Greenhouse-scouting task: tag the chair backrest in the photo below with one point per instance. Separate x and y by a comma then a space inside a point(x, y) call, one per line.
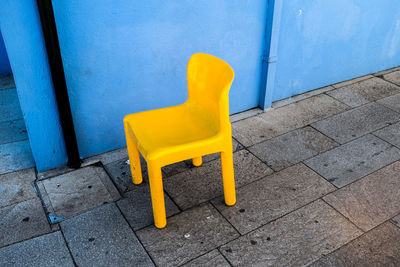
point(209, 80)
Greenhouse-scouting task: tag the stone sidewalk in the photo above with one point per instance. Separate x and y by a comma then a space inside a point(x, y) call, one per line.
point(318, 183)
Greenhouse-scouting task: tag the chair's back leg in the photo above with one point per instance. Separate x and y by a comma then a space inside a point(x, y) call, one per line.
point(157, 195)
point(197, 161)
point(134, 158)
point(228, 178)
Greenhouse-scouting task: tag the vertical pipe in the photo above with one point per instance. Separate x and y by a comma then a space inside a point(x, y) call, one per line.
point(57, 73)
point(270, 53)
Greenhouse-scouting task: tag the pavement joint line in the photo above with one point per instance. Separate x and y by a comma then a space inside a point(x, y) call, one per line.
point(367, 78)
point(363, 234)
point(382, 78)
point(69, 249)
point(301, 127)
point(287, 213)
point(208, 251)
point(113, 182)
point(273, 171)
point(26, 239)
point(338, 145)
point(340, 101)
point(348, 219)
point(298, 95)
point(386, 71)
point(359, 179)
point(261, 112)
point(134, 232)
point(249, 232)
point(224, 216)
point(391, 221)
point(173, 200)
point(40, 196)
point(374, 134)
point(100, 164)
point(311, 169)
point(381, 104)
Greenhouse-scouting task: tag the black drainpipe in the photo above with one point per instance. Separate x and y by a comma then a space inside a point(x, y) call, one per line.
point(60, 87)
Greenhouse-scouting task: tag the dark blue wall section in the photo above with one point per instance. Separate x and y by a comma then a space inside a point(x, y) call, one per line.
point(21, 29)
point(327, 41)
point(5, 67)
point(128, 56)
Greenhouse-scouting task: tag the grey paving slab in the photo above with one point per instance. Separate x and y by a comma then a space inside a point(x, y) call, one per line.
point(296, 239)
point(365, 91)
point(352, 81)
point(393, 77)
point(78, 191)
point(396, 220)
point(213, 258)
point(245, 114)
point(203, 183)
point(120, 172)
point(15, 156)
point(379, 247)
point(371, 200)
point(291, 148)
point(12, 131)
point(137, 208)
point(17, 187)
point(357, 122)
point(390, 134)
point(9, 97)
point(236, 146)
point(108, 157)
point(295, 98)
point(22, 221)
point(182, 166)
point(187, 236)
point(273, 196)
point(101, 237)
point(352, 161)
point(178, 167)
point(7, 81)
point(281, 120)
point(349, 96)
point(45, 250)
point(54, 172)
point(9, 105)
point(392, 102)
point(383, 72)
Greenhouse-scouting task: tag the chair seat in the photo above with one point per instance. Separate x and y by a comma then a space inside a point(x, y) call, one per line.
point(162, 132)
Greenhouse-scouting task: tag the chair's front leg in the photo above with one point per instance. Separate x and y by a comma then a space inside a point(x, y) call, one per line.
point(228, 177)
point(134, 158)
point(157, 195)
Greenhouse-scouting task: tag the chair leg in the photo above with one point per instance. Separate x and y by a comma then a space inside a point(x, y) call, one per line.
point(134, 158)
point(228, 178)
point(197, 161)
point(157, 195)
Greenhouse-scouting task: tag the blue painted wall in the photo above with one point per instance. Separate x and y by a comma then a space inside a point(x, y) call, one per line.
point(5, 67)
point(129, 56)
point(322, 42)
point(21, 29)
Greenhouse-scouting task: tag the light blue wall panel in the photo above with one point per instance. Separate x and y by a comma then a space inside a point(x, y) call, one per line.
point(21, 29)
point(327, 41)
point(5, 67)
point(128, 56)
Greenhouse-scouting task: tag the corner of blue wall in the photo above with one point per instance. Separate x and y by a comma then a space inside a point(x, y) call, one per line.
point(23, 37)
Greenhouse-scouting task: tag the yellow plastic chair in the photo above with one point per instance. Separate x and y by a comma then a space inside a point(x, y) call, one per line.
point(195, 128)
